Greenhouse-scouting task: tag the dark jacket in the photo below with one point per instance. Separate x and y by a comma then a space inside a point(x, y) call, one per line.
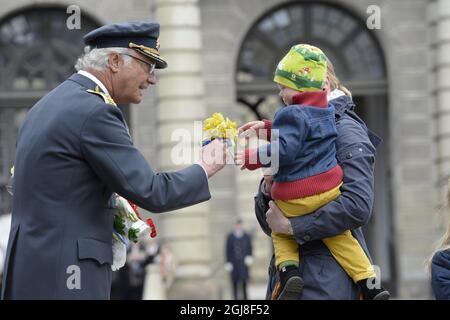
point(323, 276)
point(440, 274)
point(73, 152)
point(237, 249)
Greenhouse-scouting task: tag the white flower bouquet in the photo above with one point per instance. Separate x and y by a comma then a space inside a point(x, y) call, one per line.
point(128, 226)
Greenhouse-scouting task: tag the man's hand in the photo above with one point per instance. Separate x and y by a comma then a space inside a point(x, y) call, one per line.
point(213, 157)
point(276, 220)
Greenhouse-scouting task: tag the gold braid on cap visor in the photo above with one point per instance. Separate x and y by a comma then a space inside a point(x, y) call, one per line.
point(143, 48)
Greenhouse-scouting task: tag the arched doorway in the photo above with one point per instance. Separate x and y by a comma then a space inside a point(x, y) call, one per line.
point(360, 64)
point(37, 52)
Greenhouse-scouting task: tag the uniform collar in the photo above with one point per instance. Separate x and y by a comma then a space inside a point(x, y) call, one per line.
point(94, 79)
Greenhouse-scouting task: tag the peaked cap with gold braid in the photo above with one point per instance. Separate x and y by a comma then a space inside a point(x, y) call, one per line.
point(140, 36)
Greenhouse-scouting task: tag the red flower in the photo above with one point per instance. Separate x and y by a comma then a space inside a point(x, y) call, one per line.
point(135, 208)
point(149, 221)
point(152, 226)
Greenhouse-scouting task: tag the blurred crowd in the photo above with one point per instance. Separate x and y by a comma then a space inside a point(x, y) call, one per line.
point(129, 282)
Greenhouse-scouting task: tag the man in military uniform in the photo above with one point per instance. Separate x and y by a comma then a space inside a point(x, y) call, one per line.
point(73, 152)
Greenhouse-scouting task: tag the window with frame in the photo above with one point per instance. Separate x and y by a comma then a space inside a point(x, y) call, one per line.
point(344, 38)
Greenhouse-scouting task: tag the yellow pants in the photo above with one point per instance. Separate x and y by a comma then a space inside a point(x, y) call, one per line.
point(344, 247)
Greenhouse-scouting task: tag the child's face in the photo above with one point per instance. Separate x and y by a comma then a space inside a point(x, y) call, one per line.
point(286, 94)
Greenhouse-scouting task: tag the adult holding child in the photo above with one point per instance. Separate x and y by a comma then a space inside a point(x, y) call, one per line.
point(324, 184)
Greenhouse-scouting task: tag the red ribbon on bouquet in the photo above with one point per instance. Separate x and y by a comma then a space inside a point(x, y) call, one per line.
point(149, 221)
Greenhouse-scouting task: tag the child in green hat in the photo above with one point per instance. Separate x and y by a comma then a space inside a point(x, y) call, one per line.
point(308, 176)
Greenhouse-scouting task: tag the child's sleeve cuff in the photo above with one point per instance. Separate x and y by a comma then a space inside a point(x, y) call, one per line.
point(251, 160)
point(268, 128)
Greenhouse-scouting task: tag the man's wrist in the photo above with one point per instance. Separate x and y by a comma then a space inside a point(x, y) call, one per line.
point(204, 169)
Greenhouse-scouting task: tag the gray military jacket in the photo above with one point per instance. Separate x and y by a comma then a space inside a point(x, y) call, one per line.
point(73, 152)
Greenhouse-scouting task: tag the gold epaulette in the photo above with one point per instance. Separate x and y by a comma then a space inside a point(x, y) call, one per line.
point(106, 97)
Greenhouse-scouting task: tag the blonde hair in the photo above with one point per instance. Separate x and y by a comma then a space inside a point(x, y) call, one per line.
point(334, 81)
point(444, 242)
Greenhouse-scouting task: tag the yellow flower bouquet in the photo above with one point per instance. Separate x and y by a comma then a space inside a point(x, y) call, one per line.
point(219, 127)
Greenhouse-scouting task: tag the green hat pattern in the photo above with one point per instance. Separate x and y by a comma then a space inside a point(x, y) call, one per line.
point(304, 68)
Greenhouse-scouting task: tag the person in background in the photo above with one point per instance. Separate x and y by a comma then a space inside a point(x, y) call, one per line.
point(137, 260)
point(439, 263)
point(238, 259)
point(168, 264)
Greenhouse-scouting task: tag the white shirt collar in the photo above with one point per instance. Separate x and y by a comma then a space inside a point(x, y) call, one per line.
point(336, 93)
point(95, 79)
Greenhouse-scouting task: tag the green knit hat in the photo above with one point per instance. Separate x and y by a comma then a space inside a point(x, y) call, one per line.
point(304, 68)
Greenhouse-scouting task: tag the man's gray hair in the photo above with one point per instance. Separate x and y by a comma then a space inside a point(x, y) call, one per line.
point(97, 59)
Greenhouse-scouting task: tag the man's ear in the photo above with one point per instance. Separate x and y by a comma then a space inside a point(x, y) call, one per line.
point(114, 62)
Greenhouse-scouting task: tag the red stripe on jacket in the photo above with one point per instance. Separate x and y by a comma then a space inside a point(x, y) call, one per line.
point(308, 186)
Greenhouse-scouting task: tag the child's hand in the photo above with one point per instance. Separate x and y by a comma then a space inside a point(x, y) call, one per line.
point(250, 128)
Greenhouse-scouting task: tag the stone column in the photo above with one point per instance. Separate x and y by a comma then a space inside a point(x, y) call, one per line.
point(180, 102)
point(439, 17)
point(441, 91)
point(404, 39)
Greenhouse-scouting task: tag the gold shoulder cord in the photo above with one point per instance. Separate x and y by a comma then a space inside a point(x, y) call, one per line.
point(108, 100)
point(106, 97)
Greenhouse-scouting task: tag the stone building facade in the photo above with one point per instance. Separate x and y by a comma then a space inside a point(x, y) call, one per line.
point(221, 54)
